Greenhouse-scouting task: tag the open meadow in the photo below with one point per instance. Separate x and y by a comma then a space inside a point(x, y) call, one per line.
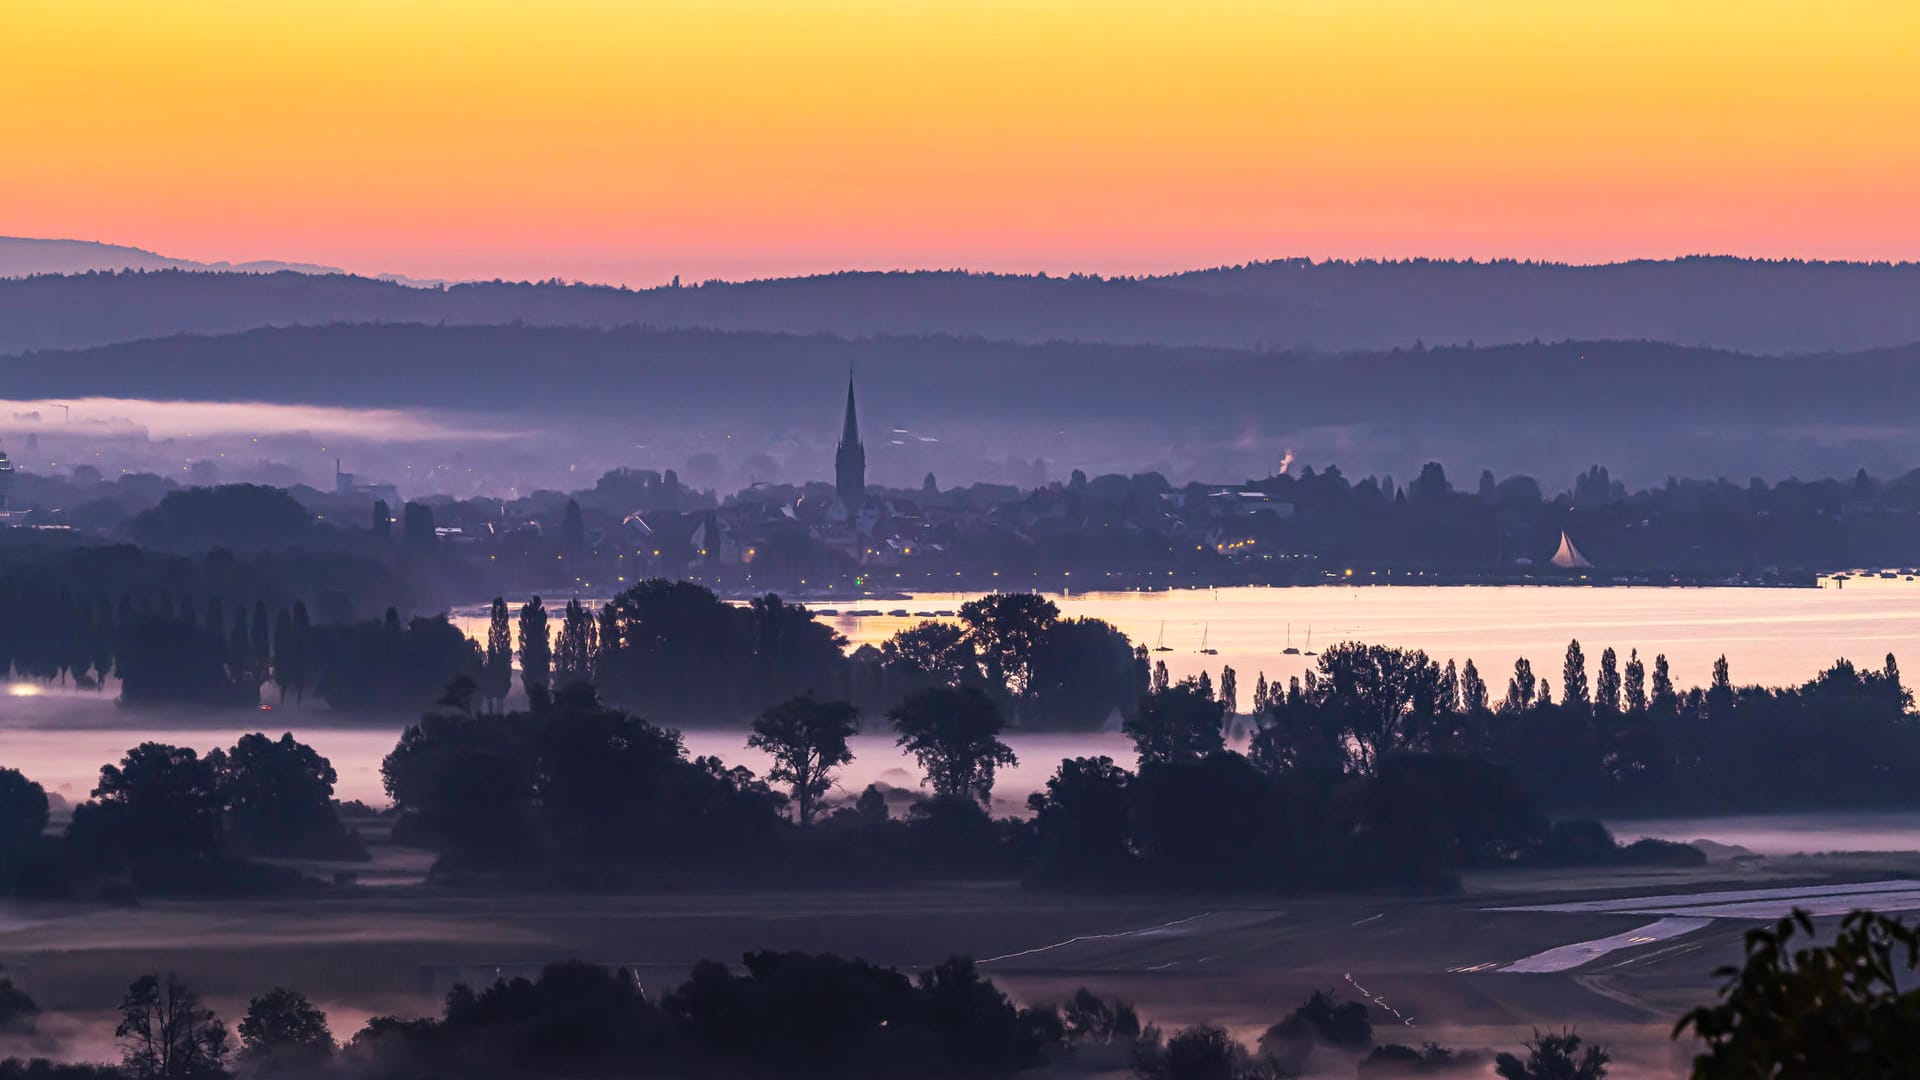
point(1428, 964)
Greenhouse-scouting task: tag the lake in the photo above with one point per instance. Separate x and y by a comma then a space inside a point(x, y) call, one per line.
point(1771, 636)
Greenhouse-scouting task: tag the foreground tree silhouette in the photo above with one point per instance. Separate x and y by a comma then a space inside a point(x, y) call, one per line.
point(279, 800)
point(1553, 1057)
point(496, 674)
point(536, 653)
point(17, 1008)
point(807, 740)
point(1573, 677)
point(23, 816)
point(161, 806)
point(955, 735)
point(1007, 630)
point(1202, 1052)
point(284, 1034)
point(932, 653)
point(1090, 1018)
point(1817, 1011)
point(579, 644)
point(166, 1034)
point(1180, 723)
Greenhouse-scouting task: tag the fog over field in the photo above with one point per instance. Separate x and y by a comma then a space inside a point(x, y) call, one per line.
point(799, 540)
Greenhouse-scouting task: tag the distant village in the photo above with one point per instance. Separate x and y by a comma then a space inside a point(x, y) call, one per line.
point(846, 537)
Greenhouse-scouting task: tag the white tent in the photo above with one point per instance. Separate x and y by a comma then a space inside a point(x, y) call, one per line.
point(1569, 557)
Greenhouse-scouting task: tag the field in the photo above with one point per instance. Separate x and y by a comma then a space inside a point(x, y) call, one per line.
point(1241, 961)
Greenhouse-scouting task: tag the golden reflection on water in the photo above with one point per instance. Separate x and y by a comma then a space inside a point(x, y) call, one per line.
point(61, 738)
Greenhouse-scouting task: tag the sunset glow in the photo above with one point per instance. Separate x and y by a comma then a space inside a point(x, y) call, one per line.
point(630, 142)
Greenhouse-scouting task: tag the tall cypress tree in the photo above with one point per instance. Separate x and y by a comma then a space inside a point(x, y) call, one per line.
point(536, 653)
point(283, 645)
point(497, 672)
point(1606, 688)
point(262, 645)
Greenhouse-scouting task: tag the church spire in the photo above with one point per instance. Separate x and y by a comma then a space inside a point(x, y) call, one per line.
point(850, 458)
point(850, 431)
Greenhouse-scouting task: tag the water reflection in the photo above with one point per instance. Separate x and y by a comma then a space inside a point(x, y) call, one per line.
point(1769, 636)
point(61, 737)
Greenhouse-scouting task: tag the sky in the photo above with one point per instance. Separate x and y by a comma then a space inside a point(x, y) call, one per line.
point(630, 141)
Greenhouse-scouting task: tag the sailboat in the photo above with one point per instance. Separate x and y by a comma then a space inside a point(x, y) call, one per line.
point(1310, 651)
point(1161, 645)
point(1569, 557)
point(1290, 650)
point(1203, 642)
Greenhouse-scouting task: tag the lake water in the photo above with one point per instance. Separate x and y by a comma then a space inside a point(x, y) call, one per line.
point(1771, 636)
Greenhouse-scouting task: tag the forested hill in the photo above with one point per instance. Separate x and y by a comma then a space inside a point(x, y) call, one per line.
point(1752, 306)
point(678, 374)
point(24, 256)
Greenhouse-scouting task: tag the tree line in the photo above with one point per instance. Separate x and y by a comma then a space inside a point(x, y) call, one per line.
point(169, 649)
point(775, 1014)
point(674, 649)
point(579, 791)
point(166, 819)
point(1626, 740)
point(1800, 1004)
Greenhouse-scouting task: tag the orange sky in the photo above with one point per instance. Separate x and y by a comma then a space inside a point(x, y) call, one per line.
point(626, 140)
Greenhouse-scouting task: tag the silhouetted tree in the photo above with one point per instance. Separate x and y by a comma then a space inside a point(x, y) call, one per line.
point(1081, 822)
point(1606, 687)
point(417, 527)
point(23, 818)
point(106, 630)
point(1178, 723)
point(578, 646)
point(160, 807)
point(166, 1034)
point(279, 800)
point(1322, 1020)
point(536, 652)
point(807, 740)
point(390, 665)
point(283, 1033)
point(1521, 688)
point(1473, 689)
point(1007, 630)
point(1573, 678)
point(954, 733)
point(931, 654)
point(1664, 700)
point(1847, 1008)
point(1634, 688)
point(17, 1013)
point(231, 516)
point(496, 673)
point(168, 661)
point(1202, 1052)
point(1082, 672)
point(259, 647)
point(1553, 1057)
point(1720, 693)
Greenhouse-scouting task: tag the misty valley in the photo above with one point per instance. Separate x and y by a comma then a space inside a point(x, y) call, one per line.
point(954, 541)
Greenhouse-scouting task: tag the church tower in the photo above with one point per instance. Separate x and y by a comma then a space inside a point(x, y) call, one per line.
point(850, 459)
